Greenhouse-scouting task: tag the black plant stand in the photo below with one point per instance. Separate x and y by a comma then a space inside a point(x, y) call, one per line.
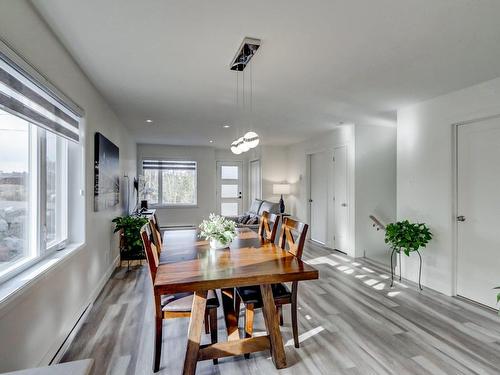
point(392, 267)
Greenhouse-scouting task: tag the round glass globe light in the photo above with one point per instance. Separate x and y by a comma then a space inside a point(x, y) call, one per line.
point(251, 139)
point(234, 148)
point(242, 145)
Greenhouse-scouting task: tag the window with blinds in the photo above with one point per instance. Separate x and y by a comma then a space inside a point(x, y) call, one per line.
point(169, 182)
point(36, 127)
point(23, 96)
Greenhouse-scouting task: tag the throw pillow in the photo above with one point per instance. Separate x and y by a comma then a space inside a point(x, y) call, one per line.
point(242, 219)
point(253, 220)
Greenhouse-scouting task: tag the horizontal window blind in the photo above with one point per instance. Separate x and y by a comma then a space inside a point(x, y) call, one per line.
point(24, 96)
point(170, 165)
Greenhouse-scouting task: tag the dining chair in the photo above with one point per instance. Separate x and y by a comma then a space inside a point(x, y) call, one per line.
point(292, 238)
point(174, 305)
point(156, 234)
point(268, 226)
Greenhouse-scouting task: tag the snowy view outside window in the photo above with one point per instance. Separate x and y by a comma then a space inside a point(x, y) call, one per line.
point(179, 187)
point(170, 183)
point(14, 188)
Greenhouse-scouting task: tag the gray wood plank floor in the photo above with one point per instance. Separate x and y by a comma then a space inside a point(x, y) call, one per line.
point(350, 322)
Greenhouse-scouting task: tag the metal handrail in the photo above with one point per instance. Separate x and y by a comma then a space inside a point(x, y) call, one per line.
point(377, 223)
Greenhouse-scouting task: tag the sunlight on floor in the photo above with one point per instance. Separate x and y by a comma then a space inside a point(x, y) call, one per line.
point(375, 283)
point(400, 284)
point(392, 294)
point(303, 337)
point(341, 258)
point(322, 260)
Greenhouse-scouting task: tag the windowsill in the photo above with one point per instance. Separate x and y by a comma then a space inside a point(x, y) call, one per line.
point(19, 284)
point(156, 206)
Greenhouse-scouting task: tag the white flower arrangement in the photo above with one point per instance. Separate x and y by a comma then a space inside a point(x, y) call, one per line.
point(218, 228)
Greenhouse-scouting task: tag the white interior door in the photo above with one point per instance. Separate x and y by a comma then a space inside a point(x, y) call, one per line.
point(229, 188)
point(478, 207)
point(341, 206)
point(319, 196)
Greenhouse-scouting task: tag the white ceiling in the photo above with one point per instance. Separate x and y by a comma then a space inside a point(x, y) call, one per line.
point(321, 62)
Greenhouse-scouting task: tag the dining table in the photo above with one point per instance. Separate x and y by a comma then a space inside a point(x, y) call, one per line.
point(188, 264)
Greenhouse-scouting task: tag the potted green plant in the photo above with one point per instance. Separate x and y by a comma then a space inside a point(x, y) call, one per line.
point(219, 230)
point(131, 242)
point(407, 237)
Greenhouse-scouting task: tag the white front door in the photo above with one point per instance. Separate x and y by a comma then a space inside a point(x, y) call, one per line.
point(229, 188)
point(478, 210)
point(341, 207)
point(319, 196)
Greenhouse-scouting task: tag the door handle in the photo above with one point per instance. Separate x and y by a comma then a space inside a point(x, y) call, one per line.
point(461, 218)
point(310, 200)
point(344, 204)
point(239, 197)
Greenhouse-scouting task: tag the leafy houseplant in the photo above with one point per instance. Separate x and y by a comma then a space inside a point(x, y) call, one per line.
point(131, 244)
point(219, 230)
point(407, 236)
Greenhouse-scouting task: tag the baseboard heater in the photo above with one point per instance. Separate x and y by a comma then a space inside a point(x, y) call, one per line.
point(178, 227)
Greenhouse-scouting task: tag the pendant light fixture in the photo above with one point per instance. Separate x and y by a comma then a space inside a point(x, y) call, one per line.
point(245, 53)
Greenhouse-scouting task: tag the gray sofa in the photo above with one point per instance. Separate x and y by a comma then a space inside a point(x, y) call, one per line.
point(250, 219)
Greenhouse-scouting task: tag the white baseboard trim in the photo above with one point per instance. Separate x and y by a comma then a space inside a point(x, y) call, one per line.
point(59, 348)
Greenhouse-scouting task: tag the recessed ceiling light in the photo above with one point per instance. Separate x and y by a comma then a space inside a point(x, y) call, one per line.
point(210, 141)
point(149, 121)
point(226, 126)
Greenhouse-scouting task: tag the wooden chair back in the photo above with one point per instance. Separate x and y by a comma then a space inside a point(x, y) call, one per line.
point(268, 226)
point(150, 250)
point(156, 234)
point(293, 236)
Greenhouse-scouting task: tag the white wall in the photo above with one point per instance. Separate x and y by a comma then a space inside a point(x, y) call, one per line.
point(34, 324)
point(274, 170)
point(371, 181)
point(297, 156)
point(206, 157)
point(425, 188)
point(375, 188)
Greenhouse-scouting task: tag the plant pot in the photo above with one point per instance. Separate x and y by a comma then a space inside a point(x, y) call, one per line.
point(216, 244)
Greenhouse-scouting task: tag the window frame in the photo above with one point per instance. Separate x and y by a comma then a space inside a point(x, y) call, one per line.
point(37, 249)
point(160, 203)
point(75, 200)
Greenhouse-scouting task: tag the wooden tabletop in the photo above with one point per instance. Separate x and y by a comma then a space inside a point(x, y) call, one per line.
point(190, 265)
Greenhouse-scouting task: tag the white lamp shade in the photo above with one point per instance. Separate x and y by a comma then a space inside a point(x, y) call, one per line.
point(279, 189)
point(251, 139)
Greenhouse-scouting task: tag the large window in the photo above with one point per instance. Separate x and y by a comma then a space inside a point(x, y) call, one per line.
point(35, 131)
point(33, 184)
point(170, 183)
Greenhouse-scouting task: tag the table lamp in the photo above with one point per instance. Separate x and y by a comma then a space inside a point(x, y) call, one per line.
point(280, 189)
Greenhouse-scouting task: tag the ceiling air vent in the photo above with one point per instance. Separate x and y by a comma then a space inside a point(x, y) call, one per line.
point(245, 53)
